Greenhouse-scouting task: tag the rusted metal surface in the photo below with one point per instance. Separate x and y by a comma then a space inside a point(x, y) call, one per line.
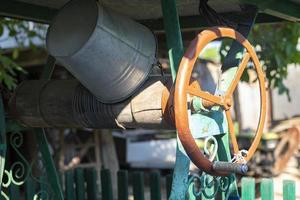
point(183, 89)
point(66, 103)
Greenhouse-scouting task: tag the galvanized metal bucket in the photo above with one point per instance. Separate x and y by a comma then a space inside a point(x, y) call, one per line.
point(110, 54)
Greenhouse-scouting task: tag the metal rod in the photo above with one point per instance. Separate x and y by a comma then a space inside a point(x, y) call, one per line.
point(175, 50)
point(43, 143)
point(173, 33)
point(230, 167)
point(49, 68)
point(3, 146)
point(48, 163)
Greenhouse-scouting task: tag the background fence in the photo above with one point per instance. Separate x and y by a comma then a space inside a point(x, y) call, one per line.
point(80, 184)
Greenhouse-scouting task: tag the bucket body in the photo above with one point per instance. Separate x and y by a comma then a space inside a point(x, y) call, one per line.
point(110, 54)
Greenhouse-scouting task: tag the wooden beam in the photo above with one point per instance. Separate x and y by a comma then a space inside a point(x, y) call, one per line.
point(65, 103)
point(26, 11)
point(197, 22)
point(42, 14)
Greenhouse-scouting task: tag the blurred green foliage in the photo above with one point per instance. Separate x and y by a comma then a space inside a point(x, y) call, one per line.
point(277, 46)
point(22, 34)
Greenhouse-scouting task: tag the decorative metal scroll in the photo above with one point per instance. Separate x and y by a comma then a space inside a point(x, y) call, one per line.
point(207, 185)
point(20, 172)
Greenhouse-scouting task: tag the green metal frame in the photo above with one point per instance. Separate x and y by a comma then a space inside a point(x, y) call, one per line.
point(43, 143)
point(175, 50)
point(3, 144)
point(16, 140)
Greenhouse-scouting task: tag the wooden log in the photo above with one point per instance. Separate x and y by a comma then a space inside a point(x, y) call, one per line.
point(66, 103)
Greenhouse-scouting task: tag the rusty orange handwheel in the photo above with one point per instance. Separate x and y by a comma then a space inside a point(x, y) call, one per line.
point(183, 89)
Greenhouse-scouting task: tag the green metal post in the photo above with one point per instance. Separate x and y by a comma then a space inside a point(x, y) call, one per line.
point(173, 33)
point(29, 189)
point(49, 164)
point(80, 188)
point(122, 185)
point(248, 188)
point(175, 50)
point(3, 145)
point(69, 183)
point(169, 179)
point(44, 192)
point(155, 192)
point(91, 184)
point(43, 143)
point(106, 185)
point(289, 190)
point(14, 191)
point(138, 186)
point(49, 68)
point(267, 189)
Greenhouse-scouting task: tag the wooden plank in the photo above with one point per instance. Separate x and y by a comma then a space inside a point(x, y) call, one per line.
point(122, 185)
point(267, 189)
point(80, 187)
point(106, 185)
point(155, 192)
point(289, 192)
point(138, 186)
point(69, 184)
point(248, 188)
point(91, 183)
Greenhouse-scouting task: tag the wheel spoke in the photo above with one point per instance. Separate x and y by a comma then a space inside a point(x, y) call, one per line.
point(238, 74)
point(206, 96)
point(231, 132)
